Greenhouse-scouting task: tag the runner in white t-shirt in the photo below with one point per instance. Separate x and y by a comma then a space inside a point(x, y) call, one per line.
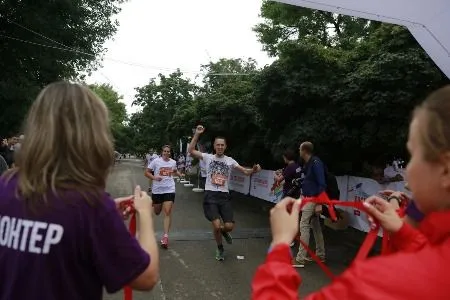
point(217, 202)
point(161, 171)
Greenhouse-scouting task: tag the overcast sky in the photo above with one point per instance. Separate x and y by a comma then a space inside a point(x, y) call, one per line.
point(157, 36)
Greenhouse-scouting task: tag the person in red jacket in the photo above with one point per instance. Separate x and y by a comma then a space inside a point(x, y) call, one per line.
point(418, 266)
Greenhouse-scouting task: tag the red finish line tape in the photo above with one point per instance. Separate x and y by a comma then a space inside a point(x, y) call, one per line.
point(368, 242)
point(127, 207)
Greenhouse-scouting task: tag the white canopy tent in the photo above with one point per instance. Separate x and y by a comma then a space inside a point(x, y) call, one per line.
point(428, 21)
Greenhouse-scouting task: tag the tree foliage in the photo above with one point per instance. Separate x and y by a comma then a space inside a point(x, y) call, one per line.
point(346, 84)
point(34, 34)
point(117, 113)
point(160, 100)
point(286, 23)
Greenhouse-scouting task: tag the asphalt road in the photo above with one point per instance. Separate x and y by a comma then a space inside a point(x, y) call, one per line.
point(188, 268)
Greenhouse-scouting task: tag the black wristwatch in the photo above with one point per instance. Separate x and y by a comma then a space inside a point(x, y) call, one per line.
point(396, 198)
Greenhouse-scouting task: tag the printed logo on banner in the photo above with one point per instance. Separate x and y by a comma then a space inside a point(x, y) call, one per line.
point(359, 195)
point(237, 179)
point(261, 186)
point(260, 182)
point(276, 191)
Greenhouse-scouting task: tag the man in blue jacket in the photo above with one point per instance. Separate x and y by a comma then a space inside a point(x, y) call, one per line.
point(313, 184)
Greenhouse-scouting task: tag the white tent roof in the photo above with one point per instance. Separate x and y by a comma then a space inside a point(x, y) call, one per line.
point(428, 21)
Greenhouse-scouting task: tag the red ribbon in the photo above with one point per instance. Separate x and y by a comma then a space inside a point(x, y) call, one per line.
point(368, 242)
point(125, 206)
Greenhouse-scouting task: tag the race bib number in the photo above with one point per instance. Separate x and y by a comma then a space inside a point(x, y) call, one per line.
point(165, 172)
point(218, 179)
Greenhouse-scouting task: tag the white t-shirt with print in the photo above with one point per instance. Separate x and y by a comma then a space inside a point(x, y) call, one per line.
point(218, 171)
point(165, 170)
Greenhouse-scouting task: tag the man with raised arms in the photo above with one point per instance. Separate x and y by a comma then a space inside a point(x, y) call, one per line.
point(217, 202)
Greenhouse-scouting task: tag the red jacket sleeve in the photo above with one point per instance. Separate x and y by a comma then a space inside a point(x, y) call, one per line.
point(276, 279)
point(419, 275)
point(408, 239)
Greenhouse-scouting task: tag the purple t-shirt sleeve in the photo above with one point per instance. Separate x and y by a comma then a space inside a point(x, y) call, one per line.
point(289, 172)
point(117, 256)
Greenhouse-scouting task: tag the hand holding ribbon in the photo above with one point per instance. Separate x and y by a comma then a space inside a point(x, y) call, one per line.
point(284, 218)
point(382, 212)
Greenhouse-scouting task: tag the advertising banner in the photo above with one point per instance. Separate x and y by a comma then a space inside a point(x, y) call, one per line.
point(264, 186)
point(239, 182)
point(359, 189)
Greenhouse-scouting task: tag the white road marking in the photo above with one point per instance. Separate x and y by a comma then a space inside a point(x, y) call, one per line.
point(163, 294)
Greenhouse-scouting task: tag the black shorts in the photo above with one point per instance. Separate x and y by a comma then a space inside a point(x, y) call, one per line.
point(160, 198)
point(217, 205)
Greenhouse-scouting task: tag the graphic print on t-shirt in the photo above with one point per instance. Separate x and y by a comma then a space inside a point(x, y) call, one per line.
point(219, 172)
point(164, 171)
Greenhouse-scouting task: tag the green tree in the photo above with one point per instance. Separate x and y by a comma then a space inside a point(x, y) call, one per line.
point(160, 100)
point(225, 105)
point(117, 113)
point(284, 23)
point(354, 105)
point(31, 33)
point(137, 127)
point(112, 99)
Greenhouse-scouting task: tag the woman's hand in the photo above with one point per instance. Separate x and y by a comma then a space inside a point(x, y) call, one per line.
point(385, 213)
point(142, 201)
point(278, 177)
point(284, 221)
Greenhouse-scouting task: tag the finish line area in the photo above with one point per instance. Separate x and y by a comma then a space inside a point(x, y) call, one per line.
point(188, 269)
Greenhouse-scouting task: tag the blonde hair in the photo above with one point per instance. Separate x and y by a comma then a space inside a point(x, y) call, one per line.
point(435, 130)
point(68, 144)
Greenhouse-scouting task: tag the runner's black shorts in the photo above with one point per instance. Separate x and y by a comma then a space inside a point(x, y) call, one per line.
point(217, 205)
point(160, 198)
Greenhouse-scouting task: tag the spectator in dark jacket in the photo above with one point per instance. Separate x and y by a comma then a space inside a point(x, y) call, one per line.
point(313, 184)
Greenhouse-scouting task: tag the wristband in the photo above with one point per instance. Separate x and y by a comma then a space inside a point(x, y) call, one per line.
point(396, 198)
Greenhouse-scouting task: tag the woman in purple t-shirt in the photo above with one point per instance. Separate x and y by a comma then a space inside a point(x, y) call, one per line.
point(289, 173)
point(61, 235)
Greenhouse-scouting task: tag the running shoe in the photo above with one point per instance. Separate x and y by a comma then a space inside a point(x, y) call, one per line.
point(165, 242)
point(298, 263)
point(309, 259)
point(227, 237)
point(220, 255)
